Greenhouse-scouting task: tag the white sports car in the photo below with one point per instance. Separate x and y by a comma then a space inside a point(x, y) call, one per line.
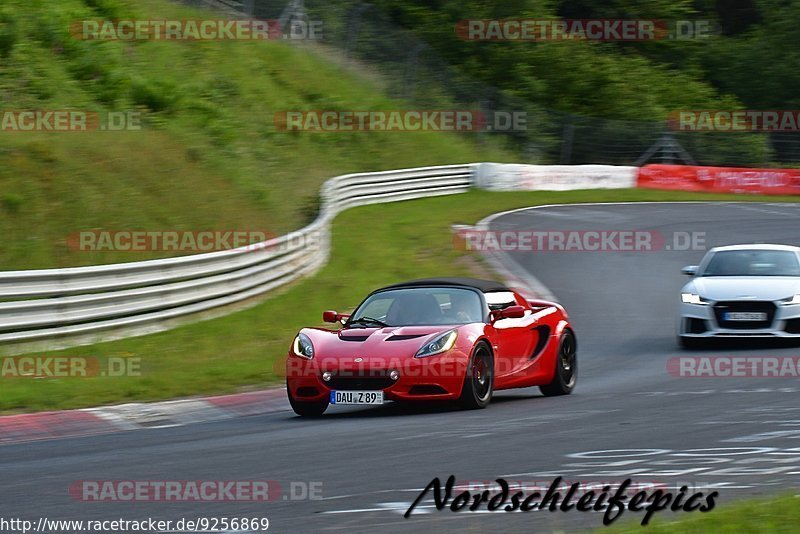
point(742, 291)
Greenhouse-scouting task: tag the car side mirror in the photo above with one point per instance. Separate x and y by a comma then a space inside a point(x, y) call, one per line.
point(512, 312)
point(331, 316)
point(689, 270)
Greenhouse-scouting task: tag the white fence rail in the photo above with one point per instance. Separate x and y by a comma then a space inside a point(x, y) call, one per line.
point(517, 177)
point(137, 297)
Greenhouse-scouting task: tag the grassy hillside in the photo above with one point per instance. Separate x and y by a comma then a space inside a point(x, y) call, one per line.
point(208, 156)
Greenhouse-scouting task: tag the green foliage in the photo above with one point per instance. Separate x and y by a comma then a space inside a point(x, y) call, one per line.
point(156, 95)
point(619, 82)
point(760, 66)
point(8, 32)
point(108, 9)
point(593, 78)
point(11, 202)
point(774, 515)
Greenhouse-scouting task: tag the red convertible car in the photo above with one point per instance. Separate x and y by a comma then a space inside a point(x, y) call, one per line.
point(456, 339)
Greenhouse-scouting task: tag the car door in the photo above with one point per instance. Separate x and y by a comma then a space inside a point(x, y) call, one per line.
point(513, 342)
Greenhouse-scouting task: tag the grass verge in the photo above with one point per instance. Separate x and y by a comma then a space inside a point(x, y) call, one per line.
point(372, 246)
point(774, 515)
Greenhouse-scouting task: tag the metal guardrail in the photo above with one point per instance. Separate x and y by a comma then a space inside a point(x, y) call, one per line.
point(57, 303)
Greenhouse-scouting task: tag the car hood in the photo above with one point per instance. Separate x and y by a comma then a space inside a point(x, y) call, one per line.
point(390, 341)
point(744, 287)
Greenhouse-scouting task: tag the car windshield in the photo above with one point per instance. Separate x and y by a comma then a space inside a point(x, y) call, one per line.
point(420, 306)
point(753, 263)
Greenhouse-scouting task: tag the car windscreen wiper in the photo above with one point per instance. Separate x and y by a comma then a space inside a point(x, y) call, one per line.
point(368, 320)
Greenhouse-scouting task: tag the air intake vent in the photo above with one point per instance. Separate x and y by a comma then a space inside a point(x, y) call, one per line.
point(544, 335)
point(357, 383)
point(353, 338)
point(765, 309)
point(793, 326)
point(427, 389)
point(696, 326)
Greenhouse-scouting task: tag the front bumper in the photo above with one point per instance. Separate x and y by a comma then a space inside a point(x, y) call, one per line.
point(433, 378)
point(703, 321)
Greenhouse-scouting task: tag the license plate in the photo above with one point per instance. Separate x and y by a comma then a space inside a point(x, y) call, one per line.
point(745, 316)
point(356, 397)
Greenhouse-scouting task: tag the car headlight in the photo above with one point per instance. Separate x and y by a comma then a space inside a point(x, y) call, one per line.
point(303, 347)
point(792, 300)
point(439, 344)
point(691, 298)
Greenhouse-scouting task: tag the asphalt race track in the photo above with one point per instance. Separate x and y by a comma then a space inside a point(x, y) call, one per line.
point(629, 417)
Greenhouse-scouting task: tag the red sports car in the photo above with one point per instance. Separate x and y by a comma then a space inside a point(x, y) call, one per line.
point(433, 340)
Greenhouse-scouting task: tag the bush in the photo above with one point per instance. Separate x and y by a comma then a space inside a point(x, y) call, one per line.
point(8, 33)
point(155, 95)
point(108, 9)
point(11, 202)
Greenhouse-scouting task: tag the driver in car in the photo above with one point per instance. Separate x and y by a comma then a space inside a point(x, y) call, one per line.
point(462, 310)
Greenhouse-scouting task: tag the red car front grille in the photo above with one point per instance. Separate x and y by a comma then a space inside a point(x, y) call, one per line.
point(357, 383)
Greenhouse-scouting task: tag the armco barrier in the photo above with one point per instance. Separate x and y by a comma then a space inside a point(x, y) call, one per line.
point(512, 177)
point(93, 303)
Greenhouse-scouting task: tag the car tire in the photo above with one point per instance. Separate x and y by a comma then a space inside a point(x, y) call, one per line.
point(566, 375)
point(307, 409)
point(479, 379)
